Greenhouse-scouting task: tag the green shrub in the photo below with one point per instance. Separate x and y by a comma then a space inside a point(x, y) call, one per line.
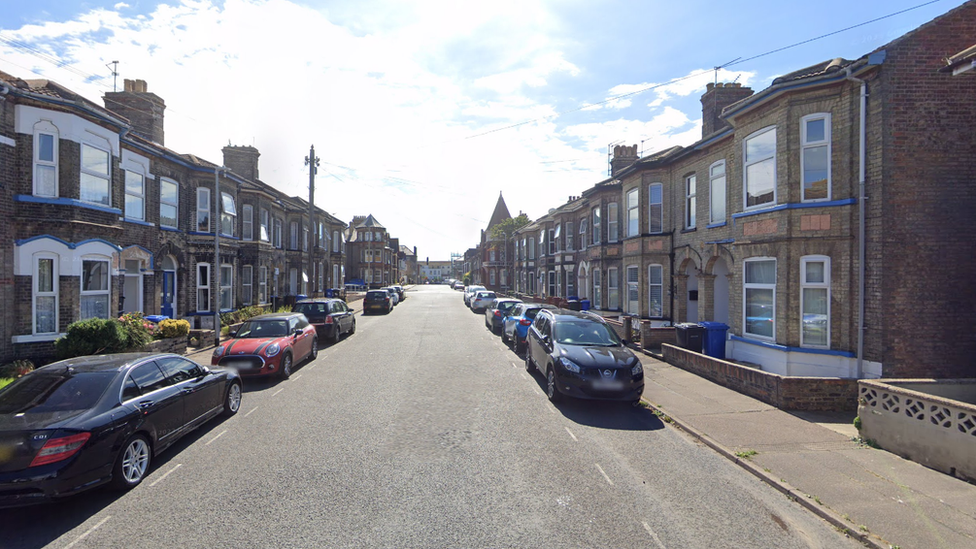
point(240, 315)
point(16, 369)
point(138, 331)
point(172, 328)
point(91, 337)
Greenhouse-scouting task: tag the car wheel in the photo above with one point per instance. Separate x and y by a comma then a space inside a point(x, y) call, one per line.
point(232, 402)
point(285, 372)
point(504, 336)
point(551, 390)
point(528, 363)
point(315, 349)
point(336, 334)
point(353, 329)
point(132, 463)
point(520, 345)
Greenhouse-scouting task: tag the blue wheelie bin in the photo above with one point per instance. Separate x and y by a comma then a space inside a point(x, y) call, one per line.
point(714, 344)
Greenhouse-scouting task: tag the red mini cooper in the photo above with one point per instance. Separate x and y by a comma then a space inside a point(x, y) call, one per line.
point(268, 345)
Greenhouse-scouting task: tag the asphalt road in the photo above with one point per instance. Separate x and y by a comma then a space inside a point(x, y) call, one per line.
point(424, 430)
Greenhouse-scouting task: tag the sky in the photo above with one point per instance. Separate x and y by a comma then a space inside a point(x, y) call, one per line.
point(422, 112)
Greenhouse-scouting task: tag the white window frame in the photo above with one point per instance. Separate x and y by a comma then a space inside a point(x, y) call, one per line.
point(807, 285)
point(717, 192)
point(321, 277)
point(136, 195)
point(596, 214)
point(583, 226)
point(228, 215)
point(633, 289)
point(569, 236)
point(557, 239)
point(106, 292)
point(551, 286)
point(226, 289)
point(175, 204)
point(805, 145)
point(247, 284)
point(530, 247)
point(597, 295)
point(203, 207)
point(613, 290)
point(746, 286)
point(203, 285)
point(106, 178)
point(45, 127)
point(655, 285)
point(265, 231)
point(552, 241)
point(277, 233)
point(293, 235)
point(746, 163)
point(613, 222)
point(368, 256)
point(53, 293)
point(335, 242)
point(655, 209)
point(691, 201)
point(263, 284)
point(247, 222)
point(633, 212)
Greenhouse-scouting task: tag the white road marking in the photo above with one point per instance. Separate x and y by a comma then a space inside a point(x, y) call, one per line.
point(166, 474)
point(312, 365)
point(89, 531)
point(514, 365)
point(216, 437)
point(602, 472)
point(574, 436)
point(525, 377)
point(298, 376)
point(653, 535)
point(251, 412)
point(278, 391)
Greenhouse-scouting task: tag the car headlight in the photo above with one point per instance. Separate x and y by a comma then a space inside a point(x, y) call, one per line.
point(569, 365)
point(637, 369)
point(219, 351)
point(272, 350)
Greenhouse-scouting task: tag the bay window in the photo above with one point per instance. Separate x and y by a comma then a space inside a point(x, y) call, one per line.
point(169, 203)
point(95, 288)
point(759, 296)
point(95, 175)
point(759, 168)
point(815, 156)
point(815, 301)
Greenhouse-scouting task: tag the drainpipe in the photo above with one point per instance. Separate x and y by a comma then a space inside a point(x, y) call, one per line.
point(215, 296)
point(861, 198)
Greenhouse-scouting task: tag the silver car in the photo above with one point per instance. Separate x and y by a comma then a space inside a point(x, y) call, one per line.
point(469, 293)
point(482, 300)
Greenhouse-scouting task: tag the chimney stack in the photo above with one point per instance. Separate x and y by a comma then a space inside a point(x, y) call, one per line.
point(623, 156)
point(242, 160)
point(143, 109)
point(715, 99)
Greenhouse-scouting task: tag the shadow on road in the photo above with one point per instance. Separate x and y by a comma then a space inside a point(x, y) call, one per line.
point(604, 414)
point(38, 526)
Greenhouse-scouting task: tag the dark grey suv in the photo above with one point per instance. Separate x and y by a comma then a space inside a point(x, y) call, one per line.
point(581, 356)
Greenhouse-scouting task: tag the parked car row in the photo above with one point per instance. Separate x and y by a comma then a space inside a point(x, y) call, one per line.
point(578, 353)
point(383, 300)
point(89, 421)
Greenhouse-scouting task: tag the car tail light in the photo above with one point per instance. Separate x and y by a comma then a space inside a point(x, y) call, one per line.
point(328, 320)
point(59, 449)
point(498, 313)
point(525, 322)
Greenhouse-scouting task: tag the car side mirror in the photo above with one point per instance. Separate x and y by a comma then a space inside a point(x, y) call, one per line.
point(232, 333)
point(298, 332)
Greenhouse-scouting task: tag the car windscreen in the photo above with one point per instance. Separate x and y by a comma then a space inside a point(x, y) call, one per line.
point(44, 392)
point(263, 328)
point(585, 333)
point(506, 306)
point(312, 308)
point(530, 314)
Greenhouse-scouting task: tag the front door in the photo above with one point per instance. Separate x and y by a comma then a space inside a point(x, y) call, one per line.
point(169, 294)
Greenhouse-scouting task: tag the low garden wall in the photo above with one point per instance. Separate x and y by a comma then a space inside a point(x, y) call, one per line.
point(785, 392)
point(175, 345)
point(912, 418)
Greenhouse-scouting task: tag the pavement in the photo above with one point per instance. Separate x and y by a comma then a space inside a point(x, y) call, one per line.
point(817, 460)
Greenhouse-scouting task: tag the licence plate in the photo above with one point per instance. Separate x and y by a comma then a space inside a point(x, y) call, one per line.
point(609, 385)
point(238, 364)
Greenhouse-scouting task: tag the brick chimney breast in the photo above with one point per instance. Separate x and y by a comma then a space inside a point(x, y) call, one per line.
point(623, 156)
point(242, 160)
point(143, 110)
point(715, 99)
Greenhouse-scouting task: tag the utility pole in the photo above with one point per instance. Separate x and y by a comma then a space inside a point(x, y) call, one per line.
point(312, 162)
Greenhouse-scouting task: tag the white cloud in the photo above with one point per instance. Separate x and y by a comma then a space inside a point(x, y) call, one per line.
point(390, 94)
point(121, 5)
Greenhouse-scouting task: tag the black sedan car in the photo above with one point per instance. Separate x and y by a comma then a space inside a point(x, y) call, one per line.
point(87, 421)
point(330, 316)
point(582, 357)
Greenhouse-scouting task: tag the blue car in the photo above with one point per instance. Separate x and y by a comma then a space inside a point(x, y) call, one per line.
point(516, 325)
